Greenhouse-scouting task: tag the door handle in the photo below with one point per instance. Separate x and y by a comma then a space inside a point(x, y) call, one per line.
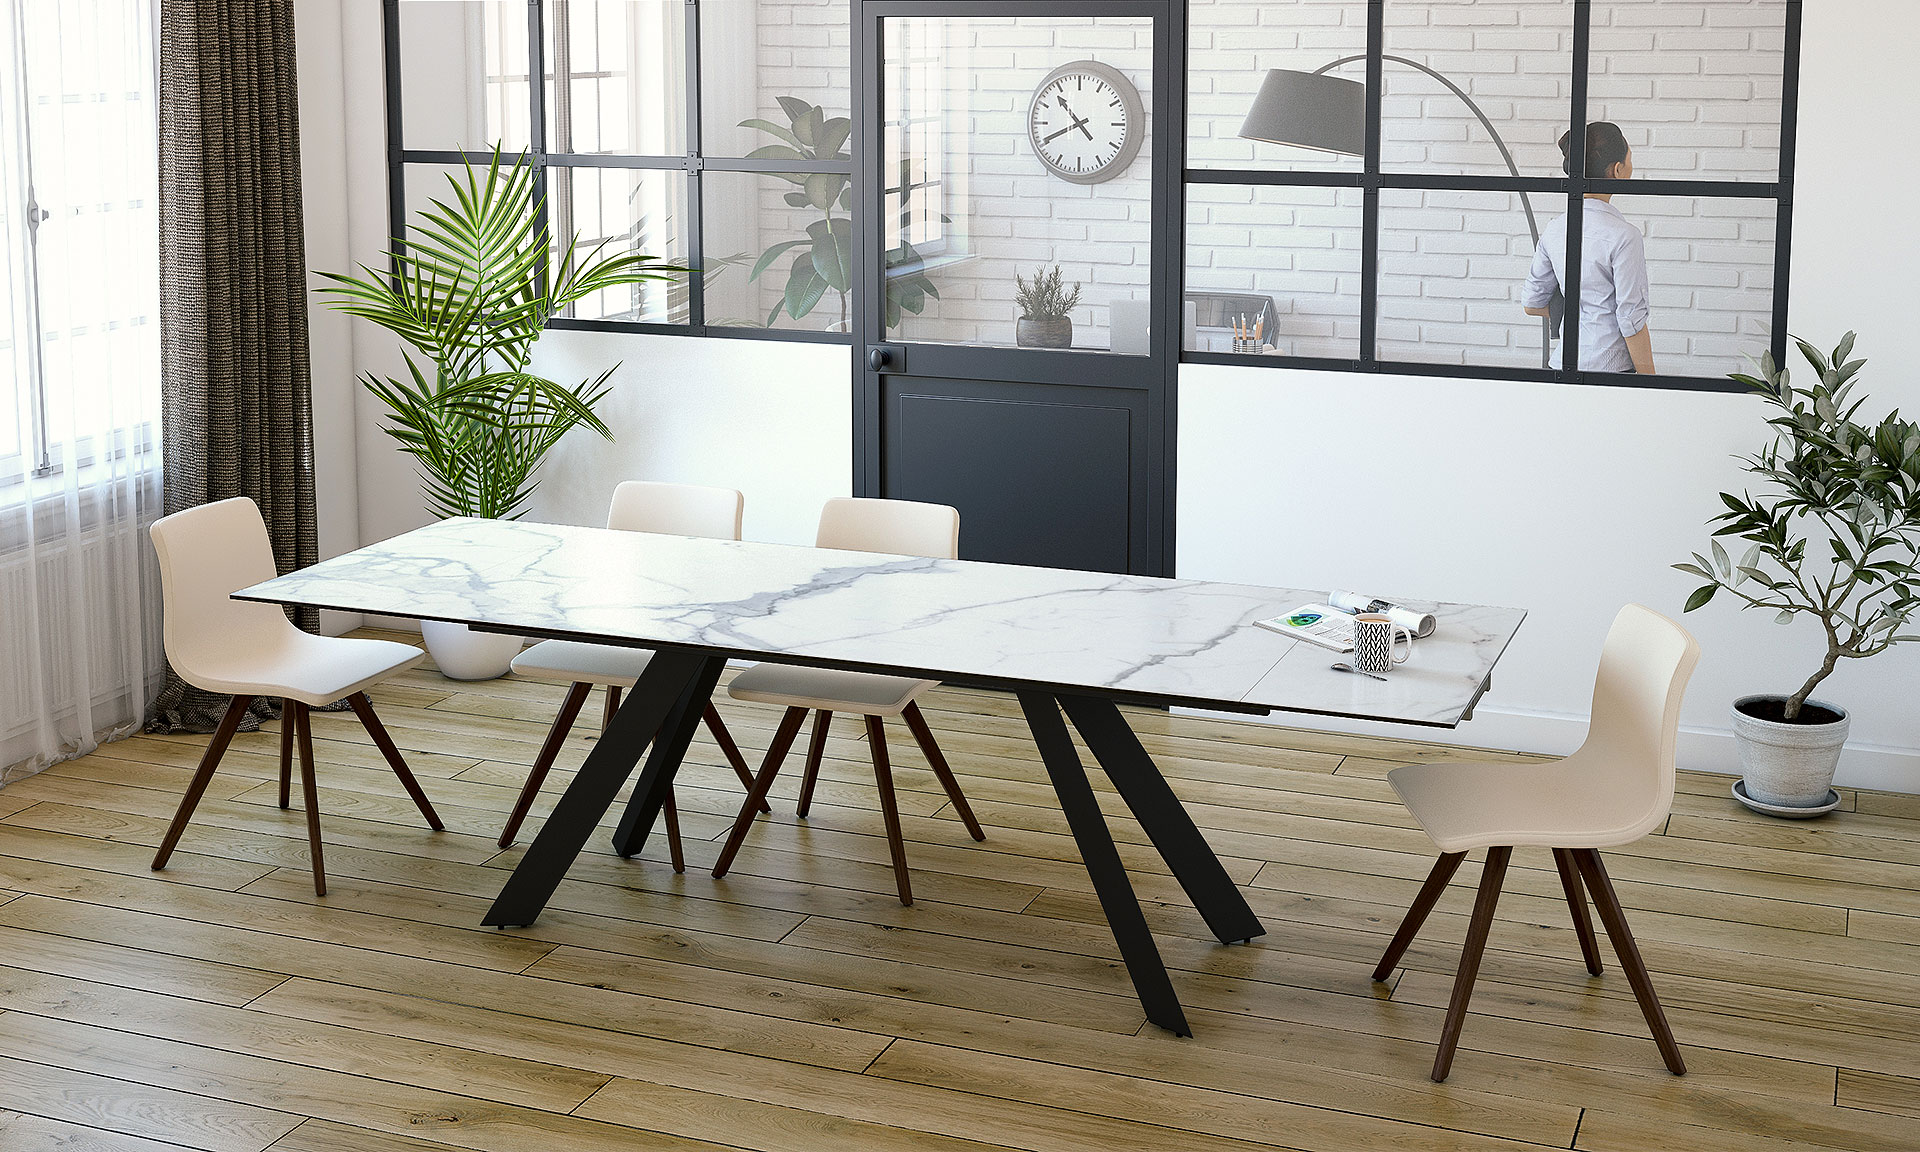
point(877, 358)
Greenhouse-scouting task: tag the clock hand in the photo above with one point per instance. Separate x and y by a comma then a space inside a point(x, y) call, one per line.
point(1077, 121)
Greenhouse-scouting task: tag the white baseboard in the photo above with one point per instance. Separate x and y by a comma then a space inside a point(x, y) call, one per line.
point(1876, 766)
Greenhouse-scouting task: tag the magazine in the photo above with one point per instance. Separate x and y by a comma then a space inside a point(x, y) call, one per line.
point(1330, 625)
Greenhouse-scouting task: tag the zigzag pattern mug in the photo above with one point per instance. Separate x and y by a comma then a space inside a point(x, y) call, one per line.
point(1375, 641)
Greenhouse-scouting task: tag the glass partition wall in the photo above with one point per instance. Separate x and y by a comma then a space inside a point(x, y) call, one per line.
point(1366, 180)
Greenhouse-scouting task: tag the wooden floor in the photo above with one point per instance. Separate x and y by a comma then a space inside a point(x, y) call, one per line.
point(797, 1005)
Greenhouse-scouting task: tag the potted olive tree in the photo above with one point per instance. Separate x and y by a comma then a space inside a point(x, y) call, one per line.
point(1833, 534)
point(470, 292)
point(1046, 309)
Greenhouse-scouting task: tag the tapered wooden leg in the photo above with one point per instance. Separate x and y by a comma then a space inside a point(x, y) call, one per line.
point(889, 808)
point(1577, 905)
point(816, 748)
point(923, 735)
point(363, 708)
point(613, 706)
point(197, 787)
point(672, 817)
point(310, 794)
point(1430, 892)
point(1611, 915)
point(783, 738)
point(286, 753)
point(718, 728)
point(543, 763)
point(1491, 874)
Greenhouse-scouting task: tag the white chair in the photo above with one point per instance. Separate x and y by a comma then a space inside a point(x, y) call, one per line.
point(220, 644)
point(638, 506)
point(895, 526)
point(1617, 788)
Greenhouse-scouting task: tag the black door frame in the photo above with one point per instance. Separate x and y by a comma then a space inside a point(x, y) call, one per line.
point(1166, 121)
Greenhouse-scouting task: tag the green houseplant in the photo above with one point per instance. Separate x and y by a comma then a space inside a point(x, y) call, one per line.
point(824, 261)
point(1046, 309)
point(469, 295)
point(1833, 534)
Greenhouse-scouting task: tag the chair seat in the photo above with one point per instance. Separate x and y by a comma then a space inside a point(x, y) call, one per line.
point(1572, 803)
point(583, 663)
point(315, 670)
point(862, 693)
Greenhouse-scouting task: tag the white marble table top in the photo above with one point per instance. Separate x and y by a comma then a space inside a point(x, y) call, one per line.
point(1138, 638)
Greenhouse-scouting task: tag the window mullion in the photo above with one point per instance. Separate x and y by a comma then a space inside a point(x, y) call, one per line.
point(1370, 187)
point(696, 188)
point(1576, 192)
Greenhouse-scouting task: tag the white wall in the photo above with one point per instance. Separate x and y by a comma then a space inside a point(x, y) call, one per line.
point(1567, 501)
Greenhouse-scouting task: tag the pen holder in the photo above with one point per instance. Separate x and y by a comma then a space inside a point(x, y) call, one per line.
point(1246, 344)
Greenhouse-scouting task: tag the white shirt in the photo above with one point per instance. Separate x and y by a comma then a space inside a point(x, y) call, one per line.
point(1613, 284)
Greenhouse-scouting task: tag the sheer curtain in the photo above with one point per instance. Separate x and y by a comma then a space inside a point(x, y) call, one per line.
point(79, 377)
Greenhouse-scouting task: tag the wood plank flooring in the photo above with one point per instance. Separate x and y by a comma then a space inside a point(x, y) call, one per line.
point(795, 1005)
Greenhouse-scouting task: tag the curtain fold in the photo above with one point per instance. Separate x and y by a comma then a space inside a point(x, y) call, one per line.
point(79, 378)
point(238, 415)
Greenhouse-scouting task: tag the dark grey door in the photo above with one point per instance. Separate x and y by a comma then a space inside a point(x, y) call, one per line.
point(997, 145)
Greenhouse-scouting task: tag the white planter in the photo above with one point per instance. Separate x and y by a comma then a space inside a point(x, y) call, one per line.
point(1788, 765)
point(464, 654)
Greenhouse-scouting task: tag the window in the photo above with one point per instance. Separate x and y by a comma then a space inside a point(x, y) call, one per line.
point(1371, 177)
point(79, 227)
point(1395, 233)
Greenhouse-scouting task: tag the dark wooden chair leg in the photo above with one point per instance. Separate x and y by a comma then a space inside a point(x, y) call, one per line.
point(671, 815)
point(1430, 892)
point(1611, 915)
point(286, 753)
point(816, 748)
point(202, 776)
point(363, 708)
point(923, 735)
point(889, 808)
point(718, 728)
point(1577, 906)
point(1491, 874)
point(543, 763)
point(783, 739)
point(310, 794)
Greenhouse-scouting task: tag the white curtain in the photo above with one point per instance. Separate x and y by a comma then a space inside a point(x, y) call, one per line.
point(79, 377)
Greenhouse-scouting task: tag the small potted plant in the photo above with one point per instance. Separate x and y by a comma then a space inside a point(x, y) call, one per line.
point(1834, 534)
point(1046, 309)
point(471, 292)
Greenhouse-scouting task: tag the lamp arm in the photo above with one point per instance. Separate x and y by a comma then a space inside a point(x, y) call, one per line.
point(1526, 201)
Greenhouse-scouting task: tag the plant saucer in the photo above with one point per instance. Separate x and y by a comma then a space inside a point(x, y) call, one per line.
point(1786, 811)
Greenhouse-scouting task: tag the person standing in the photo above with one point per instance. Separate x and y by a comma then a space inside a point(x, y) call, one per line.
point(1614, 336)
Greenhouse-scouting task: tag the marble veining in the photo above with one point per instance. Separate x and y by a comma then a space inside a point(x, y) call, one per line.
point(1178, 641)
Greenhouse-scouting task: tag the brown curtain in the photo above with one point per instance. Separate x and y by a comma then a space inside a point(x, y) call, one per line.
point(237, 413)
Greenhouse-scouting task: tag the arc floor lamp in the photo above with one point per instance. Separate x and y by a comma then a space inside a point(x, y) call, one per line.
point(1329, 113)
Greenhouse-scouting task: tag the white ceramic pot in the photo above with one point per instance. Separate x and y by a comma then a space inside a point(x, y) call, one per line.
point(1788, 765)
point(464, 654)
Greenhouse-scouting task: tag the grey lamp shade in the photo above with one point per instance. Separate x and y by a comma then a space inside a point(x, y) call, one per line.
point(1309, 110)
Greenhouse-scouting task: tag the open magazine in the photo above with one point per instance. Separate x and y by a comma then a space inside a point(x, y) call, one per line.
point(1330, 625)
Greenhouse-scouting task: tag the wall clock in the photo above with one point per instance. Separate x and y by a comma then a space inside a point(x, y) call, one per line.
point(1086, 122)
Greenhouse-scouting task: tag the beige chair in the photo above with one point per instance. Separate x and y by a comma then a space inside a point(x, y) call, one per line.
point(246, 649)
point(896, 526)
point(638, 506)
point(1617, 788)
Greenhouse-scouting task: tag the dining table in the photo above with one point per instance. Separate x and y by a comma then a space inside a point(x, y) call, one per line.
point(1072, 646)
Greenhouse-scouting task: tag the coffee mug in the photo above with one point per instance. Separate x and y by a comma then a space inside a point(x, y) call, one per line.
point(1375, 640)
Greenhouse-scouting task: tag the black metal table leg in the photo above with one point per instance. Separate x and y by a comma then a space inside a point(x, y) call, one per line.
point(607, 767)
point(1160, 812)
point(663, 763)
point(1122, 908)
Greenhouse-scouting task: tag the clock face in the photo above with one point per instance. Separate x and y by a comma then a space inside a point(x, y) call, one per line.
point(1085, 122)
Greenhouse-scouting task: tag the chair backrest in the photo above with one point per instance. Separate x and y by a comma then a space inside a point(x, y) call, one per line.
point(1644, 668)
point(905, 527)
point(206, 554)
point(676, 510)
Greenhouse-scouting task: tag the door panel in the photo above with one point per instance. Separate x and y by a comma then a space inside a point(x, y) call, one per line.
point(1041, 476)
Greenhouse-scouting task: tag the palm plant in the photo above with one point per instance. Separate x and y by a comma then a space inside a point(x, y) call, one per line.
point(471, 291)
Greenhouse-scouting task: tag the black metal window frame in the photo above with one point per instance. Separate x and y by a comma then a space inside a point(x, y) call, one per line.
point(1575, 186)
point(1370, 180)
